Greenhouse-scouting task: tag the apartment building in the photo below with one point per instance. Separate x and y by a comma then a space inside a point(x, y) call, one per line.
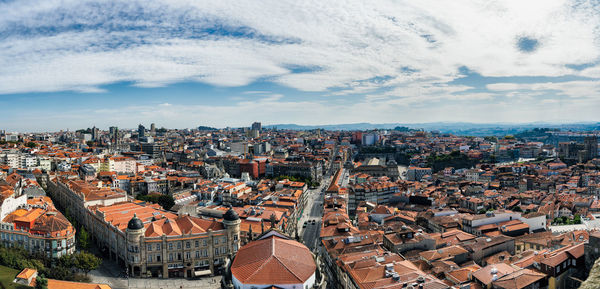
point(373, 191)
point(38, 227)
point(146, 240)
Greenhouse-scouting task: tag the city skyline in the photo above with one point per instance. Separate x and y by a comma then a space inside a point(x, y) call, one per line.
point(78, 64)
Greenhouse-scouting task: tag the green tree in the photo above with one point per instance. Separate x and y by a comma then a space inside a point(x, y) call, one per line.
point(87, 262)
point(84, 238)
point(166, 201)
point(66, 261)
point(41, 283)
point(491, 138)
point(31, 144)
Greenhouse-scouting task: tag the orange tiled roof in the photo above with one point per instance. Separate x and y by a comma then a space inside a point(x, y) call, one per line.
point(273, 260)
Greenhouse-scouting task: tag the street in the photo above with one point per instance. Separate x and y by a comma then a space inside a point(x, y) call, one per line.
point(313, 211)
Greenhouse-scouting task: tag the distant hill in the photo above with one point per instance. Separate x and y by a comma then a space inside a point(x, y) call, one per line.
point(457, 128)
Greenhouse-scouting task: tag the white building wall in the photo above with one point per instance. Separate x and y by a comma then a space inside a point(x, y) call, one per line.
point(11, 204)
point(535, 223)
point(306, 285)
point(497, 218)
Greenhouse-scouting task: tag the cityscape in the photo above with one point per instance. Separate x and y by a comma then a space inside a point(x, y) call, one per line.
point(387, 144)
point(257, 207)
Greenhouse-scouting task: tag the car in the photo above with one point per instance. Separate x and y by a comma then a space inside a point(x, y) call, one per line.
point(305, 223)
point(314, 222)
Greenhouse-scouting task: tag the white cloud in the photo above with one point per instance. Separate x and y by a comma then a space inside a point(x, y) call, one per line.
point(575, 89)
point(75, 45)
point(392, 53)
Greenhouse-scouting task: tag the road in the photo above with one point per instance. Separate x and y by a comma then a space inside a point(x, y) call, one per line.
point(313, 210)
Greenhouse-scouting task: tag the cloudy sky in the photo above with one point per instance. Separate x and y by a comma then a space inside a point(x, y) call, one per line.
point(73, 64)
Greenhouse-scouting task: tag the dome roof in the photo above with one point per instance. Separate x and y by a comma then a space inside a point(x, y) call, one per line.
point(135, 223)
point(231, 215)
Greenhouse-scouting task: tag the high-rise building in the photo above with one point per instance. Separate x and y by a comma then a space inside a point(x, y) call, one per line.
point(152, 128)
point(591, 147)
point(95, 133)
point(141, 131)
point(113, 133)
point(257, 126)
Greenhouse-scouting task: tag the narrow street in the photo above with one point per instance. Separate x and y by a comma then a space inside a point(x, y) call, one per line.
point(313, 211)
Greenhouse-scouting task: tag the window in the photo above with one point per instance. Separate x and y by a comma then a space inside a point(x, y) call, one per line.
point(170, 256)
point(204, 242)
point(216, 241)
point(149, 247)
point(178, 245)
point(197, 244)
point(157, 247)
point(188, 255)
point(179, 256)
point(149, 258)
point(170, 246)
point(157, 257)
point(197, 254)
point(235, 237)
point(216, 251)
point(187, 244)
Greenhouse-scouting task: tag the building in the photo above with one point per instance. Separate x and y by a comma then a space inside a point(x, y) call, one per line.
point(273, 261)
point(309, 170)
point(141, 131)
point(373, 191)
point(590, 144)
point(154, 150)
point(377, 168)
point(38, 227)
point(146, 240)
point(256, 126)
point(416, 173)
point(472, 222)
point(369, 139)
point(159, 244)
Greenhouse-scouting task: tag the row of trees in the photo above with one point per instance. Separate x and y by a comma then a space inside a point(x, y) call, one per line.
point(165, 201)
point(564, 220)
point(67, 267)
point(454, 159)
point(308, 181)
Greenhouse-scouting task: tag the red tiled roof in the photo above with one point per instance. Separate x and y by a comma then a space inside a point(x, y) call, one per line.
point(273, 260)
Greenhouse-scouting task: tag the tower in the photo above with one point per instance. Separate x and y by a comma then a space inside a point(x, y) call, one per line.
point(141, 131)
point(135, 233)
point(232, 222)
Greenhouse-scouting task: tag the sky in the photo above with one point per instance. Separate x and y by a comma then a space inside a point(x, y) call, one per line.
point(180, 64)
